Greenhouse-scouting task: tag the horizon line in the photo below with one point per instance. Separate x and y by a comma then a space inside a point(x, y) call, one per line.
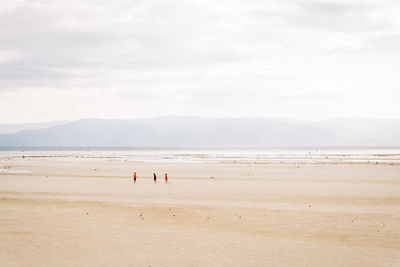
point(202, 117)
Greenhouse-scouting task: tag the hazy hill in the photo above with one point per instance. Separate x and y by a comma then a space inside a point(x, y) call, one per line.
point(14, 128)
point(198, 131)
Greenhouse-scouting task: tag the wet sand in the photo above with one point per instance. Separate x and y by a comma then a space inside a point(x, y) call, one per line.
point(90, 213)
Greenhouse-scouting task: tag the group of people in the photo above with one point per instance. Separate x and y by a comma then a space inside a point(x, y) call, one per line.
point(154, 177)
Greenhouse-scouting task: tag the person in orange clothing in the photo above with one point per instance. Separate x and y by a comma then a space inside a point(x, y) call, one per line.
point(134, 177)
point(166, 178)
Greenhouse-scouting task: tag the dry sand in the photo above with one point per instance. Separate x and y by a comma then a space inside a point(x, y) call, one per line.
point(89, 213)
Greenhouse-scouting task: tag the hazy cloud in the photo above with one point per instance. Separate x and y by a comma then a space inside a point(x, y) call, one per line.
point(123, 59)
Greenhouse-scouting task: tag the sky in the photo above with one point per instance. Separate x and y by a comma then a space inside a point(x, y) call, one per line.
point(127, 59)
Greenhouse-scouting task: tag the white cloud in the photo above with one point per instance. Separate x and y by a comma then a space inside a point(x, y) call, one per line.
point(126, 59)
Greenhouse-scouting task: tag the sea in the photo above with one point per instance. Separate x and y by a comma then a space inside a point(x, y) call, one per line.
point(244, 155)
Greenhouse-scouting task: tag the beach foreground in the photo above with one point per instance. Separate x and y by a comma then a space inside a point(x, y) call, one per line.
point(90, 213)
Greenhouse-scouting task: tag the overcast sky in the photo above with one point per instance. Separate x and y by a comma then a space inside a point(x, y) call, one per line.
point(299, 59)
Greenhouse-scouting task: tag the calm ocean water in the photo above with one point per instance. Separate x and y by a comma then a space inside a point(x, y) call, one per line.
point(228, 155)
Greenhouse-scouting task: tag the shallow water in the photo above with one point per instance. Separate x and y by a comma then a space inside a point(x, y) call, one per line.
point(228, 155)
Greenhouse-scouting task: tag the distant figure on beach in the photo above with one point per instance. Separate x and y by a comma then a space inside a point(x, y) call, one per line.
point(134, 177)
point(166, 178)
point(155, 177)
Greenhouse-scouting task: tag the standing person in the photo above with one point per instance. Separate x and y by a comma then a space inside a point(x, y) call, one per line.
point(166, 178)
point(134, 177)
point(155, 177)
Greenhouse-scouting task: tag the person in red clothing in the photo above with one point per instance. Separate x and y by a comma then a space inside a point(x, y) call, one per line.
point(155, 177)
point(166, 178)
point(134, 177)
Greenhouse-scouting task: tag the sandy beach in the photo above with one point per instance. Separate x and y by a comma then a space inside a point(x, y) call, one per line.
point(88, 212)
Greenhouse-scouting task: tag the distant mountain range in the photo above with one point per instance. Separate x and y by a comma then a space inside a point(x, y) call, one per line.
point(181, 131)
point(14, 128)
